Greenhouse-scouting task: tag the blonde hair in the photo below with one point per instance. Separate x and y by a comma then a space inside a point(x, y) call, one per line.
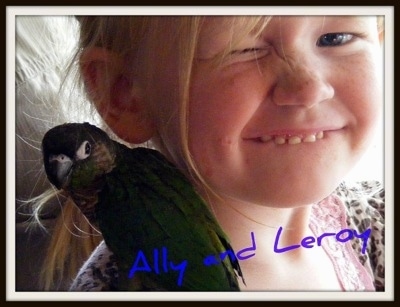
point(139, 39)
point(144, 40)
point(153, 41)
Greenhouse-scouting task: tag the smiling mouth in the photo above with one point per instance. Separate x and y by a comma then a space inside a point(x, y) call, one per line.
point(292, 139)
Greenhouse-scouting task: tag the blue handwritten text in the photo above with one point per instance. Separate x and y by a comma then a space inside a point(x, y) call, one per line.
point(308, 242)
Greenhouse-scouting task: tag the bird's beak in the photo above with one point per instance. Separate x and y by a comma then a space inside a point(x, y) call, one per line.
point(59, 168)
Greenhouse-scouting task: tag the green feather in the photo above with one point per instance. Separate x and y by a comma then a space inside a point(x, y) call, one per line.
point(146, 204)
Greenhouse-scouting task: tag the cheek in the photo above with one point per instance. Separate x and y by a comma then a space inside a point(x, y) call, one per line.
point(220, 106)
point(366, 99)
point(219, 110)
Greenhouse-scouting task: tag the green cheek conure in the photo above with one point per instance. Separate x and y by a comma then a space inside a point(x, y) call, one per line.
point(150, 215)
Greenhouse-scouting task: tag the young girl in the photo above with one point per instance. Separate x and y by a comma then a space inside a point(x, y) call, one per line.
point(266, 116)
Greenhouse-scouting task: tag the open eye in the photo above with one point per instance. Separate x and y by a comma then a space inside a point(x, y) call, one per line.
point(334, 39)
point(83, 151)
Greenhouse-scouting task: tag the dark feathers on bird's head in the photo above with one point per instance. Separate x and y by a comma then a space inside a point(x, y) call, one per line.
point(64, 146)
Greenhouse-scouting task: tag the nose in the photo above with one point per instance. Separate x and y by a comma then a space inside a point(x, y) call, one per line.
point(300, 83)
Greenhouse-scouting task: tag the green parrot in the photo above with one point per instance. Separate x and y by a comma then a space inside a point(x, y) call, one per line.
point(160, 230)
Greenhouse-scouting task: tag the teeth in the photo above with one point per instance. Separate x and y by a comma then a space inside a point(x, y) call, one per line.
point(309, 138)
point(280, 140)
point(266, 138)
point(293, 140)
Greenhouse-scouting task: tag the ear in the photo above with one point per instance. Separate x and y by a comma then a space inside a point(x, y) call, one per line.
point(117, 98)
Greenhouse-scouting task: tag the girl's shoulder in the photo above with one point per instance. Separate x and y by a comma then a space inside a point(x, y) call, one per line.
point(365, 209)
point(364, 197)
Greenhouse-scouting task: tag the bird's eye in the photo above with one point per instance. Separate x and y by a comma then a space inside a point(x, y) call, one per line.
point(83, 151)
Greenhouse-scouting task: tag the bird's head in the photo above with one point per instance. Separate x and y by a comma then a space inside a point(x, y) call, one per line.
point(77, 155)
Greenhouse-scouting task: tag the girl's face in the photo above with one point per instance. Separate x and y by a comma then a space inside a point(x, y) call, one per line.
point(286, 115)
